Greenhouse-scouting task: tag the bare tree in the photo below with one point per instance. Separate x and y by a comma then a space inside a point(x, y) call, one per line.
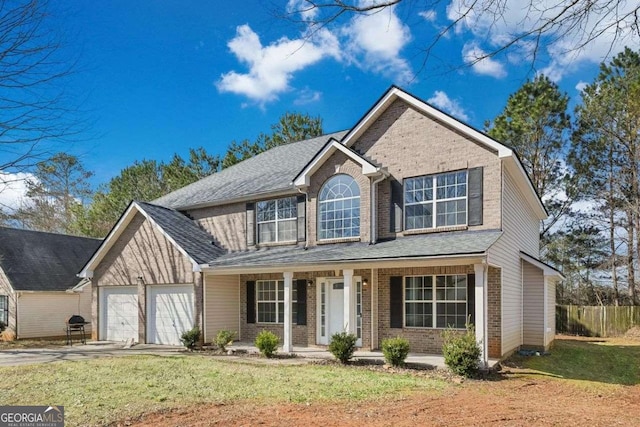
point(567, 26)
point(35, 110)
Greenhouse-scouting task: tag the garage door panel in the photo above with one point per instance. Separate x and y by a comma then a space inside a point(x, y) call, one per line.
point(119, 313)
point(171, 313)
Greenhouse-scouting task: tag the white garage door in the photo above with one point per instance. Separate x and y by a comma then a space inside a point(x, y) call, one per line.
point(119, 313)
point(170, 313)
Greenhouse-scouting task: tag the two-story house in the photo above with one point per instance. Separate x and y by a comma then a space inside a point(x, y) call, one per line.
point(406, 224)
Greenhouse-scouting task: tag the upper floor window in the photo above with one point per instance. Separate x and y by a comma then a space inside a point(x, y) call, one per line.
point(436, 200)
point(277, 220)
point(339, 208)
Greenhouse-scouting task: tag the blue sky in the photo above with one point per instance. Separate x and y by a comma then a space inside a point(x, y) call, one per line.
point(159, 77)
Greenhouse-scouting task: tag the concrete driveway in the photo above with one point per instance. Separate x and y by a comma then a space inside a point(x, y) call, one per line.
point(94, 350)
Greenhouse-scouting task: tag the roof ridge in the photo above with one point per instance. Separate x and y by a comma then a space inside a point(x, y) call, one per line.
point(26, 230)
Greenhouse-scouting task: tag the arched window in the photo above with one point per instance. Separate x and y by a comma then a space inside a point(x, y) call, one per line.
point(339, 208)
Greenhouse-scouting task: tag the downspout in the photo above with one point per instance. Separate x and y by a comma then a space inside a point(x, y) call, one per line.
point(306, 229)
point(374, 206)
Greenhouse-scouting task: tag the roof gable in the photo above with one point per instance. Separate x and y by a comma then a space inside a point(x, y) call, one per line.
point(303, 178)
point(39, 261)
point(510, 158)
point(193, 242)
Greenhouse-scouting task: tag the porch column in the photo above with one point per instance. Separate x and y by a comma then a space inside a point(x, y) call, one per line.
point(287, 346)
point(349, 312)
point(374, 308)
point(481, 310)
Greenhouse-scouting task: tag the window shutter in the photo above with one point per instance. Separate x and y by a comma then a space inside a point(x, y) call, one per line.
point(251, 224)
point(395, 301)
point(471, 298)
point(302, 301)
point(397, 198)
point(302, 208)
point(474, 201)
point(251, 301)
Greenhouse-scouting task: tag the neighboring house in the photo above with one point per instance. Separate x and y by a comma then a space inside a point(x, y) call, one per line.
point(39, 287)
point(408, 223)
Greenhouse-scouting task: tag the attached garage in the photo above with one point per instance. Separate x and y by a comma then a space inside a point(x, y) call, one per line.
point(170, 313)
point(119, 313)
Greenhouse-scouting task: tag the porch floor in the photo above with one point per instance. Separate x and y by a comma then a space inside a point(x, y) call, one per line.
point(427, 360)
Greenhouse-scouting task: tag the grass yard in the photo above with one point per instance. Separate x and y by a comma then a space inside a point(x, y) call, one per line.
point(593, 382)
point(106, 390)
point(31, 343)
point(609, 361)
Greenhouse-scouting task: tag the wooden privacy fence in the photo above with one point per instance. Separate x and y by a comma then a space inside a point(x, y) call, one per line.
point(596, 321)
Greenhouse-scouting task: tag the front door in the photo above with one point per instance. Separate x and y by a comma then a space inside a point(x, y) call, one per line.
point(330, 308)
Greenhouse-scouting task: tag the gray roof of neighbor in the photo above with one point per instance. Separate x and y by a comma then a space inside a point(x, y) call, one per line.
point(38, 261)
point(426, 245)
point(185, 232)
point(272, 170)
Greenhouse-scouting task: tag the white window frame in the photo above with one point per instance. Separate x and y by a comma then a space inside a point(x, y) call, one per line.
point(321, 202)
point(277, 301)
point(4, 311)
point(434, 301)
point(277, 220)
point(434, 201)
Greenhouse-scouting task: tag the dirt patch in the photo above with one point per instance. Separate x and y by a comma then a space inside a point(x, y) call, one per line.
point(633, 334)
point(509, 400)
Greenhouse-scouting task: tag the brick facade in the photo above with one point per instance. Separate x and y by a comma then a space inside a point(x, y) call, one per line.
point(494, 305)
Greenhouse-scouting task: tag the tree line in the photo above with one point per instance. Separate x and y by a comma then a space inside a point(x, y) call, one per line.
point(59, 198)
point(584, 164)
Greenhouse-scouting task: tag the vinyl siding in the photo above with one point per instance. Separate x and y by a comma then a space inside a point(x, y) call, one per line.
point(551, 312)
point(533, 315)
point(44, 314)
point(520, 233)
point(222, 305)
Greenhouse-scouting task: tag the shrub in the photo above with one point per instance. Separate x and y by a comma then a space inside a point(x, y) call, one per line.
point(223, 339)
point(395, 350)
point(461, 351)
point(191, 338)
point(342, 346)
point(267, 342)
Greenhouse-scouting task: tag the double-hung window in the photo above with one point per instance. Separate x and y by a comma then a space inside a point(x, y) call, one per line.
point(4, 309)
point(435, 301)
point(270, 301)
point(277, 220)
point(435, 200)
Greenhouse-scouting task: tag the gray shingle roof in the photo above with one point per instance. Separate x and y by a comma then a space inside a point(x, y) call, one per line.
point(426, 245)
point(270, 171)
point(185, 232)
point(37, 261)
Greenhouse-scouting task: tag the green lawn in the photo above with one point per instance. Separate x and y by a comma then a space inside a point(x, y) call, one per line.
point(105, 390)
point(612, 361)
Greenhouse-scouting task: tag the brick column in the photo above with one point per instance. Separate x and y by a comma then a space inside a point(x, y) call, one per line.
point(198, 303)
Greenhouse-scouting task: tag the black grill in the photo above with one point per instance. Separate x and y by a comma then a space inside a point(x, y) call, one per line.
point(76, 323)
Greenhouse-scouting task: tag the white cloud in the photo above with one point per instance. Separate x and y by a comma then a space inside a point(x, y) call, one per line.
point(306, 10)
point(13, 189)
point(307, 96)
point(429, 15)
point(375, 41)
point(581, 85)
point(494, 23)
point(442, 101)
point(272, 67)
point(472, 55)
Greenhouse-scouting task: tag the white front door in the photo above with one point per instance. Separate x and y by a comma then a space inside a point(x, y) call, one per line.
point(330, 308)
point(336, 308)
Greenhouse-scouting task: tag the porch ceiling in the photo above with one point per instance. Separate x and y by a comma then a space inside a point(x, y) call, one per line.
point(463, 244)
